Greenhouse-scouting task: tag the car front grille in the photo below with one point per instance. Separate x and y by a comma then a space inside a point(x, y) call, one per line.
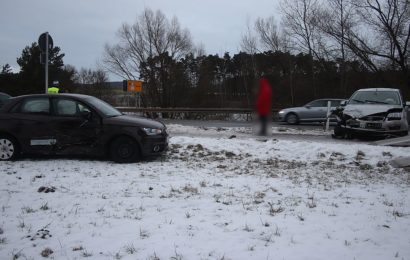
point(364, 125)
point(372, 118)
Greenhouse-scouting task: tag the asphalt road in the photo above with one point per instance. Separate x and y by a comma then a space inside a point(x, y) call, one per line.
point(222, 123)
point(279, 136)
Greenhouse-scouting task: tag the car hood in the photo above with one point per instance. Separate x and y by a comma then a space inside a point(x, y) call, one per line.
point(133, 121)
point(358, 111)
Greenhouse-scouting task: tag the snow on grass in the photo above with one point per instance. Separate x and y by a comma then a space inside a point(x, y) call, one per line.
point(211, 198)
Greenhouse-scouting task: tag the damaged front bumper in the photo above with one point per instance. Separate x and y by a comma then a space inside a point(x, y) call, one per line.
point(371, 128)
point(376, 125)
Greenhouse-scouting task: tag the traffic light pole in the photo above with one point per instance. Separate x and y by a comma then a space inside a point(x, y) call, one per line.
point(46, 65)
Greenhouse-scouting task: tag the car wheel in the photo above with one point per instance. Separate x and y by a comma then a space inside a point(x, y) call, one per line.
point(292, 119)
point(124, 150)
point(8, 148)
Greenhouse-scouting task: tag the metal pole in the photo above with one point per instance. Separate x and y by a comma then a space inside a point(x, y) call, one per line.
point(46, 87)
point(328, 115)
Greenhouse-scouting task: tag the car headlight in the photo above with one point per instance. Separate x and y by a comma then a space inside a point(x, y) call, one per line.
point(152, 131)
point(394, 116)
point(281, 112)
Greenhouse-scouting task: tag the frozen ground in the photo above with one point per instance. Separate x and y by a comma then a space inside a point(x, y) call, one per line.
point(211, 198)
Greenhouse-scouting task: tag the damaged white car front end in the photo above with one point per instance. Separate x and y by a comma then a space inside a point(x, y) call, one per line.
point(372, 112)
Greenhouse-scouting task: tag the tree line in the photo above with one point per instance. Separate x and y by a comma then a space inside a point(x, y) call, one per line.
point(319, 48)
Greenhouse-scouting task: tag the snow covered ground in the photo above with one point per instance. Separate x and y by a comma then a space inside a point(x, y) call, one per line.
point(211, 198)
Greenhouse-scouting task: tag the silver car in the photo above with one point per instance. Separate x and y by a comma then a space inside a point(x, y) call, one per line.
point(373, 111)
point(315, 111)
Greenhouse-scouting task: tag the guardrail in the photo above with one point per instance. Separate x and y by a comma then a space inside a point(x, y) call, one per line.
point(192, 113)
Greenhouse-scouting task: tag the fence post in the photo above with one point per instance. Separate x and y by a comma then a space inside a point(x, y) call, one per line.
point(328, 115)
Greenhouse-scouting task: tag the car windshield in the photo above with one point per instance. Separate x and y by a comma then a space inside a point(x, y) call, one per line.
point(376, 97)
point(103, 107)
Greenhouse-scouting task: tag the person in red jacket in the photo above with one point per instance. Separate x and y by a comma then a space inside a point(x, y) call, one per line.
point(264, 104)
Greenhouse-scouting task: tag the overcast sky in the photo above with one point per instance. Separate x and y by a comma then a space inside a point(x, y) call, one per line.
point(82, 27)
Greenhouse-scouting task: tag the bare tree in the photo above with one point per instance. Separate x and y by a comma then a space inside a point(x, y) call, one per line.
point(300, 19)
point(249, 41)
point(337, 18)
point(389, 23)
point(301, 22)
point(152, 34)
point(269, 35)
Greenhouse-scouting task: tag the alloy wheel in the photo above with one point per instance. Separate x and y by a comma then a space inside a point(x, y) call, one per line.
point(6, 149)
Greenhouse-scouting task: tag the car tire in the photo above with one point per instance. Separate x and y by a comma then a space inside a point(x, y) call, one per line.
point(9, 149)
point(292, 119)
point(124, 150)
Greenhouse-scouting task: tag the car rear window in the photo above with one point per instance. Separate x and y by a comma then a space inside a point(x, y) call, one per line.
point(35, 105)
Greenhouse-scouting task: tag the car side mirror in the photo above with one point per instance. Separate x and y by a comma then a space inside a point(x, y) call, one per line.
point(308, 106)
point(343, 103)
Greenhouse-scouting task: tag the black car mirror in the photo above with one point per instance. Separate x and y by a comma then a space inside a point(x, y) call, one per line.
point(308, 106)
point(343, 103)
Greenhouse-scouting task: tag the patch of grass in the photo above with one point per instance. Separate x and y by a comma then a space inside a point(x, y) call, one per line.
point(45, 206)
point(387, 154)
point(311, 202)
point(275, 210)
point(78, 248)
point(130, 249)
point(399, 214)
point(47, 252)
point(277, 232)
point(154, 257)
point(86, 253)
point(248, 228)
point(27, 210)
point(3, 240)
point(365, 167)
point(21, 224)
point(189, 189)
point(143, 234)
point(360, 155)
point(388, 203)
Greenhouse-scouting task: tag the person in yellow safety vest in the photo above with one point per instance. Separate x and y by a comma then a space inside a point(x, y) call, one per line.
point(53, 90)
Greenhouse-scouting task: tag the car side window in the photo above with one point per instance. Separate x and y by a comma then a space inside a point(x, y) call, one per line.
point(335, 103)
point(69, 108)
point(318, 103)
point(65, 107)
point(83, 108)
point(35, 106)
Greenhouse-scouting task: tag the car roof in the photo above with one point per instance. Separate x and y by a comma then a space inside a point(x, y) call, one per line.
point(379, 89)
point(56, 95)
point(337, 99)
point(75, 96)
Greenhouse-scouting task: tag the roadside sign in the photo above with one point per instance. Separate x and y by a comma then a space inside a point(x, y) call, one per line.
point(133, 86)
point(42, 42)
